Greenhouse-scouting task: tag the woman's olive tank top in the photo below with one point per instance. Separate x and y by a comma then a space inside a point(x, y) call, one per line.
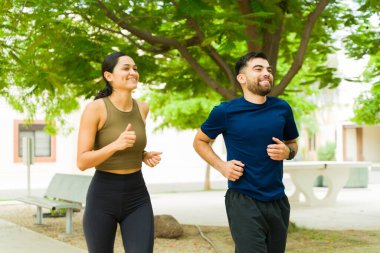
point(116, 122)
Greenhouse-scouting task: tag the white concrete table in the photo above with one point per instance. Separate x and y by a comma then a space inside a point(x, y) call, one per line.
point(303, 175)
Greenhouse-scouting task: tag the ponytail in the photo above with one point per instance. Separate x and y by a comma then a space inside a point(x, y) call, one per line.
point(105, 92)
point(108, 65)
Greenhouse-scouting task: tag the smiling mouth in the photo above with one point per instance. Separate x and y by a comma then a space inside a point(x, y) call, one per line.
point(266, 83)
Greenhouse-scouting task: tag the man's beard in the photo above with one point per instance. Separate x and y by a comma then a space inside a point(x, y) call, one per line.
point(257, 89)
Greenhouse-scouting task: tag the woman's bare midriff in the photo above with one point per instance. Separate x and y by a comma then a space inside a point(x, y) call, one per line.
point(126, 171)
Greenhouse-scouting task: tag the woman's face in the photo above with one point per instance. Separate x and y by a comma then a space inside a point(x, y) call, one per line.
point(124, 75)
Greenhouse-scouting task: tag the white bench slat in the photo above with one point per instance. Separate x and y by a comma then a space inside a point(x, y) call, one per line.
point(69, 187)
point(49, 203)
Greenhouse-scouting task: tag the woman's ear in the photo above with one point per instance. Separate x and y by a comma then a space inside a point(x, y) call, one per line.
point(108, 76)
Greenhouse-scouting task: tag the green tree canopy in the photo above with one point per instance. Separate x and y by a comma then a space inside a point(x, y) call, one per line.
point(365, 40)
point(185, 49)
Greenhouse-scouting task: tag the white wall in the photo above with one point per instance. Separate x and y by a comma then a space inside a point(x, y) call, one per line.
point(14, 175)
point(371, 143)
point(351, 151)
point(180, 163)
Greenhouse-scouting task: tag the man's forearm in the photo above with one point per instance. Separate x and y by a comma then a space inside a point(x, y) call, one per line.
point(205, 151)
point(293, 145)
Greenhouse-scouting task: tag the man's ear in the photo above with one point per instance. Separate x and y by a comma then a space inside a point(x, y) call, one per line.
point(108, 76)
point(241, 78)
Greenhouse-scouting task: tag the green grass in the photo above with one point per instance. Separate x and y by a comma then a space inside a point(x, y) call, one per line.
point(313, 241)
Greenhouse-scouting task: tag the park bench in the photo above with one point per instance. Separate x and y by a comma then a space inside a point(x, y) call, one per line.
point(65, 191)
point(336, 174)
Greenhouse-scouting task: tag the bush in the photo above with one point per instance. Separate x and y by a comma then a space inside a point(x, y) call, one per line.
point(327, 152)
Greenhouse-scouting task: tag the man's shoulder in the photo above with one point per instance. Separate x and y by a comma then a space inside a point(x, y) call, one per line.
point(278, 101)
point(225, 105)
point(231, 103)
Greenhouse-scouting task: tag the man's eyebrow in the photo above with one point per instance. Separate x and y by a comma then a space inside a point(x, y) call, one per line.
point(127, 64)
point(261, 66)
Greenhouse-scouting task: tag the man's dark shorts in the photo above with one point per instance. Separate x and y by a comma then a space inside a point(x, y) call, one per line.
point(256, 226)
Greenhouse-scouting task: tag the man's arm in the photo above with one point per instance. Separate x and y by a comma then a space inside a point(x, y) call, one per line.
point(232, 170)
point(293, 145)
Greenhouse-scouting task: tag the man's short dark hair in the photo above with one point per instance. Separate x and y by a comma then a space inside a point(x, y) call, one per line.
point(242, 62)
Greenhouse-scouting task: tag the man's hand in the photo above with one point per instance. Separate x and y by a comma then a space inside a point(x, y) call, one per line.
point(278, 151)
point(232, 170)
point(152, 158)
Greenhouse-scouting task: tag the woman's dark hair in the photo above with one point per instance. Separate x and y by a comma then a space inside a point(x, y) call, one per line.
point(108, 65)
point(242, 62)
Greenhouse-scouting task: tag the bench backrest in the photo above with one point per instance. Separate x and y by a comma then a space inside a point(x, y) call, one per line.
point(69, 187)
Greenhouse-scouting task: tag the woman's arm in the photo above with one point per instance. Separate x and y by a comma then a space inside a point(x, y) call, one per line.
point(87, 157)
point(151, 158)
point(144, 109)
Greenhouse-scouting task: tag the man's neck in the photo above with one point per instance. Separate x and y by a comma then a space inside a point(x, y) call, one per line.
point(254, 98)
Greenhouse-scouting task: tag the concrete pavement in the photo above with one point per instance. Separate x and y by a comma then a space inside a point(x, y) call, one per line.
point(16, 239)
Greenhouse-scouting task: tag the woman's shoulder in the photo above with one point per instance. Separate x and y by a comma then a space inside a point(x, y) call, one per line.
point(143, 108)
point(143, 105)
point(95, 108)
point(95, 105)
point(95, 112)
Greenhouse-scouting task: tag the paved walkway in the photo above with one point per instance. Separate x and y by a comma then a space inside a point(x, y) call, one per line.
point(355, 209)
point(16, 239)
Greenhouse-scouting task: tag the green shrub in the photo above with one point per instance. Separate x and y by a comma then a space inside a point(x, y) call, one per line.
point(326, 152)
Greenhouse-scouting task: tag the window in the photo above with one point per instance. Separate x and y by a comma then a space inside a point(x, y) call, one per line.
point(43, 143)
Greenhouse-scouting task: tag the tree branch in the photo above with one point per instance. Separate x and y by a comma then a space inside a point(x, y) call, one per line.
point(146, 36)
point(299, 58)
point(225, 68)
point(214, 55)
point(203, 74)
point(171, 43)
point(250, 28)
point(162, 44)
point(160, 50)
point(271, 45)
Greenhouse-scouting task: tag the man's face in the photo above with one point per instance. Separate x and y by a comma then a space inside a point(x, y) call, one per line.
point(258, 76)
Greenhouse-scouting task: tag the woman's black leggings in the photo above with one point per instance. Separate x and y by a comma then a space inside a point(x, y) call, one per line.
point(123, 199)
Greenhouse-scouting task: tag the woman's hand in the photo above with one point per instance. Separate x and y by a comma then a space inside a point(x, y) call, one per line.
point(152, 158)
point(126, 139)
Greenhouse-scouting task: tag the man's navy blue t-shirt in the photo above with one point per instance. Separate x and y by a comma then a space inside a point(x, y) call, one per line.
point(247, 129)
